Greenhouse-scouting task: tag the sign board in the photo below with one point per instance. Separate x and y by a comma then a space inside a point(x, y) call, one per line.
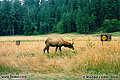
point(105, 37)
point(18, 42)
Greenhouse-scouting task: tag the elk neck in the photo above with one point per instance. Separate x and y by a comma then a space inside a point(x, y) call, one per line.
point(66, 44)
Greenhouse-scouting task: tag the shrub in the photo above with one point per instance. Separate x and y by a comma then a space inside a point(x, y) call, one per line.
point(111, 25)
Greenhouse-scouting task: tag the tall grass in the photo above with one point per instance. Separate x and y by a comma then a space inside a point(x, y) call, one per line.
point(89, 57)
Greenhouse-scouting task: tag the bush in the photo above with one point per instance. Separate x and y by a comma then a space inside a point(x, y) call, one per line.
point(54, 29)
point(60, 27)
point(111, 25)
point(35, 32)
point(43, 28)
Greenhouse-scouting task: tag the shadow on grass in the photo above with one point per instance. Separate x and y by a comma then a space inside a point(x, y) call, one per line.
point(66, 53)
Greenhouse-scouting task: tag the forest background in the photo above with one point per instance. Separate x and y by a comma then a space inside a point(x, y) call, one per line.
point(34, 17)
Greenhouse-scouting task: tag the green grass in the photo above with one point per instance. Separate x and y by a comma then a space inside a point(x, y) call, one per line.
point(54, 77)
point(65, 53)
point(68, 77)
point(112, 34)
point(23, 41)
point(4, 69)
point(73, 33)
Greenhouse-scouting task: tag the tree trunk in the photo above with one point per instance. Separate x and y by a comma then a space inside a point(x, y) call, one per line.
point(13, 30)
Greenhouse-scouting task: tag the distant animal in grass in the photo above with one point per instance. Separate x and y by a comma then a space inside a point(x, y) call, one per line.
point(99, 32)
point(58, 43)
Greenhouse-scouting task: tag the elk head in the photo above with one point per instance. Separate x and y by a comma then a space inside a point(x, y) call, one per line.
point(71, 45)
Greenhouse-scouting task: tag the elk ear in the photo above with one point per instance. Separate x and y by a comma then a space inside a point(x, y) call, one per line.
point(72, 41)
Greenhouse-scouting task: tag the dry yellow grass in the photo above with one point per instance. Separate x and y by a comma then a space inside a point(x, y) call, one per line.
point(89, 57)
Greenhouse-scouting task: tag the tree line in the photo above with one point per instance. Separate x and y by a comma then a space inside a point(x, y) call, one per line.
point(33, 17)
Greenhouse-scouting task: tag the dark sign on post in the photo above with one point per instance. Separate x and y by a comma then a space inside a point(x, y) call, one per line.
point(18, 42)
point(105, 37)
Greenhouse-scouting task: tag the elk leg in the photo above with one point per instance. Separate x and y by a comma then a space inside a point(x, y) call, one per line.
point(44, 49)
point(60, 49)
point(56, 48)
point(47, 49)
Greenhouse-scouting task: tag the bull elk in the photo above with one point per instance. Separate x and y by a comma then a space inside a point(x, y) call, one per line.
point(57, 42)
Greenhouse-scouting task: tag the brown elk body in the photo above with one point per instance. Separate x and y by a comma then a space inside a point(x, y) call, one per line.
point(58, 43)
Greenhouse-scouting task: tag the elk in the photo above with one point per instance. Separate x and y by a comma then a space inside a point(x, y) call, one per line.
point(99, 32)
point(57, 42)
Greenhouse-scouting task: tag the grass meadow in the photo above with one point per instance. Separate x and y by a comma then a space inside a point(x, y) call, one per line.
point(90, 57)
